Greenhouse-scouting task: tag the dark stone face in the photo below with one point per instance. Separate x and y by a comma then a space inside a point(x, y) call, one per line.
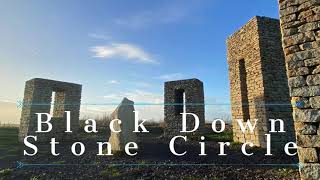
point(179, 96)
point(38, 97)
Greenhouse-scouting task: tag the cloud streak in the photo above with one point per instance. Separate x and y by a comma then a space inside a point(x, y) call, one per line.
point(125, 51)
point(164, 15)
point(173, 76)
point(113, 82)
point(99, 36)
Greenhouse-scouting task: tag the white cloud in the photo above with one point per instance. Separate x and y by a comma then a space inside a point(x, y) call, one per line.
point(164, 15)
point(123, 50)
point(99, 36)
point(113, 82)
point(173, 76)
point(113, 97)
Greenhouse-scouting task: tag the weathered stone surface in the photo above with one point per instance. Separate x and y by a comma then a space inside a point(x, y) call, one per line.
point(290, 32)
point(310, 171)
point(312, 62)
point(306, 91)
point(289, 18)
point(305, 129)
point(306, 46)
point(316, 70)
point(302, 55)
point(298, 39)
point(285, 4)
point(309, 26)
point(315, 102)
point(125, 113)
point(298, 81)
point(292, 65)
point(289, 10)
point(306, 115)
point(313, 80)
point(308, 4)
point(308, 141)
point(38, 99)
point(307, 155)
point(301, 71)
point(258, 77)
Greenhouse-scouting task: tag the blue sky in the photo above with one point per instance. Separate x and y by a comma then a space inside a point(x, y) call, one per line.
point(122, 48)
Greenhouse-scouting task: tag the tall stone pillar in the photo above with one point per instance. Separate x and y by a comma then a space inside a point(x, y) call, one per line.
point(183, 96)
point(258, 82)
point(300, 27)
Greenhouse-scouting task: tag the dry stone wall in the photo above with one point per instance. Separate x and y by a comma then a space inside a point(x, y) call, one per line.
point(258, 82)
point(37, 99)
point(175, 91)
point(300, 26)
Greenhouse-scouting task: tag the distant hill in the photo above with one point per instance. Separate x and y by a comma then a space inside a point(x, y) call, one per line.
point(9, 113)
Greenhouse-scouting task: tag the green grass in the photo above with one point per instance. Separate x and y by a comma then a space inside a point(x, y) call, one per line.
point(34, 178)
point(9, 136)
point(5, 172)
point(110, 171)
point(9, 145)
point(59, 162)
point(225, 136)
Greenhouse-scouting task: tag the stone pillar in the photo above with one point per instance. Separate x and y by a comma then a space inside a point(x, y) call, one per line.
point(38, 99)
point(174, 94)
point(300, 26)
point(123, 112)
point(258, 82)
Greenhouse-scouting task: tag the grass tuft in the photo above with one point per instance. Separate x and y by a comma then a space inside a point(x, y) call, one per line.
point(5, 172)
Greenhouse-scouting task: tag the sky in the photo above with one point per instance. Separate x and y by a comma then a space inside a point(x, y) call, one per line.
point(122, 48)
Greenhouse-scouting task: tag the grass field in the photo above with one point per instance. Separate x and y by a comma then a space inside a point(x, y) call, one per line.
point(9, 146)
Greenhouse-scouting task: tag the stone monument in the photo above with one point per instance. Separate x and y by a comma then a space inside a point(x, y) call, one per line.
point(125, 113)
point(40, 96)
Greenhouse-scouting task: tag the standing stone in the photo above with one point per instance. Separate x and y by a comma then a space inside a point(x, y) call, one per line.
point(258, 82)
point(302, 19)
point(125, 113)
point(179, 96)
point(38, 98)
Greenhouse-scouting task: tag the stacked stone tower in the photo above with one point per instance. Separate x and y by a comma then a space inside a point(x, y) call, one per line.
point(258, 81)
point(38, 99)
point(300, 26)
point(179, 96)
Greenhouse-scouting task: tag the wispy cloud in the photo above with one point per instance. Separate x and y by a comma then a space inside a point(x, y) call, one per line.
point(113, 82)
point(164, 15)
point(99, 36)
point(123, 50)
point(173, 76)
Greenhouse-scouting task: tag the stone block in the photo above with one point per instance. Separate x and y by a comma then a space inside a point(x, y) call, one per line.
point(125, 113)
point(315, 102)
point(313, 80)
point(306, 115)
point(310, 171)
point(308, 155)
